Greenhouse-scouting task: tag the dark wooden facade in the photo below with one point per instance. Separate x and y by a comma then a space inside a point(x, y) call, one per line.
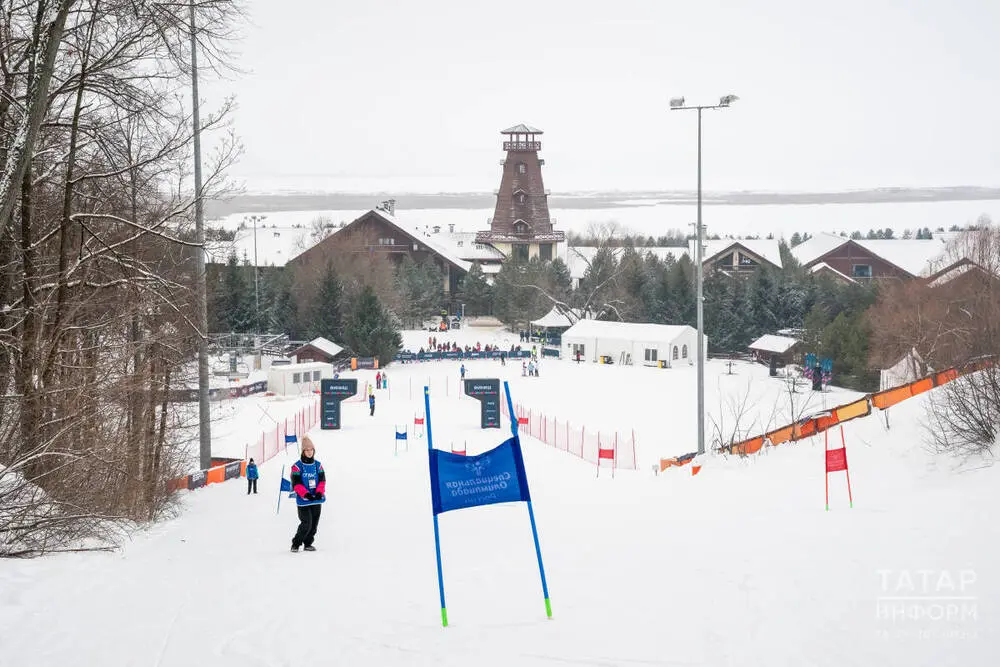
point(376, 233)
point(859, 263)
point(521, 225)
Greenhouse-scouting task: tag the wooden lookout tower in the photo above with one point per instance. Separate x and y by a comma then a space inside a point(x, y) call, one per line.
point(521, 227)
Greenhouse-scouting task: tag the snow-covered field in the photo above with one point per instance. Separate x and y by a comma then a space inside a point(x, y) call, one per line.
point(740, 565)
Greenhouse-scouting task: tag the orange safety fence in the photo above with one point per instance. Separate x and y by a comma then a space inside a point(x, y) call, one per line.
point(843, 413)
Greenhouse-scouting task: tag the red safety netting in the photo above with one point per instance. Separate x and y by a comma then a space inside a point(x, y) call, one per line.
point(272, 442)
point(588, 444)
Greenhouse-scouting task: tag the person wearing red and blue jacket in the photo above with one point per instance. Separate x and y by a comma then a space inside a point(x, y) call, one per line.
point(309, 484)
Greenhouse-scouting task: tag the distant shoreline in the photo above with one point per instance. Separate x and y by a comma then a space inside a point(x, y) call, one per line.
point(251, 203)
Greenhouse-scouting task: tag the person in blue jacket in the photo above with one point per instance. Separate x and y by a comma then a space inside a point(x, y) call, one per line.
point(252, 476)
point(462, 371)
point(309, 484)
point(371, 404)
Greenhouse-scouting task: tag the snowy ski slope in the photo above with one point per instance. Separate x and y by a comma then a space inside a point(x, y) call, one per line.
point(737, 566)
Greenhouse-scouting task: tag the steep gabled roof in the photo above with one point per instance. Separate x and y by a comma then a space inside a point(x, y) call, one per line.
point(911, 255)
point(772, 343)
point(766, 249)
point(815, 247)
point(324, 345)
point(823, 266)
point(446, 253)
point(521, 129)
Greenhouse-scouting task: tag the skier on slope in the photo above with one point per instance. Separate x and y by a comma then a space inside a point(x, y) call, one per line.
point(309, 484)
point(462, 371)
point(252, 476)
point(371, 404)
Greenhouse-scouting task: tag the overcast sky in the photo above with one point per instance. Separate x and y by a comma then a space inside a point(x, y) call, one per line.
point(400, 95)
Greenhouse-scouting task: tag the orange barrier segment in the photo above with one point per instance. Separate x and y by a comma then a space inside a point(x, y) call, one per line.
point(853, 410)
point(920, 386)
point(824, 422)
point(803, 429)
point(945, 376)
point(890, 397)
point(780, 435)
point(215, 475)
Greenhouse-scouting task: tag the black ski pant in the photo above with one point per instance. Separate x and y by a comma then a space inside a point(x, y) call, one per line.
point(308, 522)
point(251, 486)
point(372, 414)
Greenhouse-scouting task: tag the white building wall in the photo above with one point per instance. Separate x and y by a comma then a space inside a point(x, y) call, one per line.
point(613, 347)
point(281, 379)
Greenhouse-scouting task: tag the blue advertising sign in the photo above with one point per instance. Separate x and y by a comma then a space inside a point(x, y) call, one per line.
point(496, 476)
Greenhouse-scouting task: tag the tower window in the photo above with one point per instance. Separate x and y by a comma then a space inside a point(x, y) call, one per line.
point(521, 198)
point(522, 168)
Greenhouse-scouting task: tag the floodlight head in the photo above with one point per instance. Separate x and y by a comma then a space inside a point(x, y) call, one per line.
point(726, 100)
point(676, 102)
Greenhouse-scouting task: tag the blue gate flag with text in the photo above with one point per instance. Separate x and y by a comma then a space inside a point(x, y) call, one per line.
point(400, 436)
point(496, 476)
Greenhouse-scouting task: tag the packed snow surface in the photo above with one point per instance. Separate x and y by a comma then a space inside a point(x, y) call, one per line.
point(739, 565)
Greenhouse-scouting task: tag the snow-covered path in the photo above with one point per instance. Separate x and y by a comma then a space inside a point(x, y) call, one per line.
point(738, 566)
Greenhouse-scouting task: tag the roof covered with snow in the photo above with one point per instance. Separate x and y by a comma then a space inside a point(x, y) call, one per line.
point(441, 249)
point(464, 245)
point(635, 331)
point(816, 246)
point(275, 246)
point(521, 129)
point(913, 256)
point(554, 318)
point(772, 343)
point(766, 249)
point(324, 345)
point(823, 266)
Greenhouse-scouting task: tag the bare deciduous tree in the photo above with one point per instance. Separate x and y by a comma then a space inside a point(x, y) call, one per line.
point(96, 260)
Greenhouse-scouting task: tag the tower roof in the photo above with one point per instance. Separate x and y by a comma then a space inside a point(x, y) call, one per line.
point(521, 129)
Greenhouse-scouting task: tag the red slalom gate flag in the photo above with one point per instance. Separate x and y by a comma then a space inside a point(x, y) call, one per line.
point(836, 460)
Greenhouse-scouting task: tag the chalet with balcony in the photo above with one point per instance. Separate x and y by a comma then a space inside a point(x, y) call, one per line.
point(379, 232)
point(737, 256)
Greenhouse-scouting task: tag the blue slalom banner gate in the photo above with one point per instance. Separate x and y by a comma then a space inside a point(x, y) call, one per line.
point(401, 435)
point(495, 476)
point(286, 487)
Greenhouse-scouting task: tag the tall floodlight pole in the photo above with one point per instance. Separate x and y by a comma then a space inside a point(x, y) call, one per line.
point(204, 413)
point(256, 282)
point(677, 104)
